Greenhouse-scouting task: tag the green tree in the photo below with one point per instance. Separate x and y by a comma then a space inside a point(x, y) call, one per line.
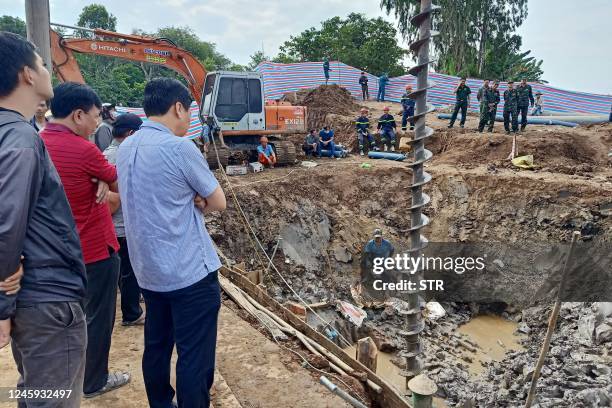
point(368, 44)
point(122, 81)
point(256, 59)
point(467, 30)
point(13, 25)
point(504, 61)
point(96, 16)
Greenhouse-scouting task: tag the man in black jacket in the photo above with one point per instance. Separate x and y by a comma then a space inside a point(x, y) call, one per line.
point(45, 319)
point(363, 81)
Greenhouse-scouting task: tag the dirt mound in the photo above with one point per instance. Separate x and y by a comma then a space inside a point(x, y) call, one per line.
point(558, 152)
point(329, 105)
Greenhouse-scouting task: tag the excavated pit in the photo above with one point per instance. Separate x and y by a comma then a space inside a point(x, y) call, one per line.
point(479, 354)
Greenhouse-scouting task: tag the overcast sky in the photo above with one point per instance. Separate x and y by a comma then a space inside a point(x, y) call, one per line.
point(572, 37)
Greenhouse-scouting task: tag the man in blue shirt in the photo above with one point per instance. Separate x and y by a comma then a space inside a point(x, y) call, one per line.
point(326, 136)
point(166, 188)
point(265, 153)
point(382, 84)
point(326, 69)
point(378, 247)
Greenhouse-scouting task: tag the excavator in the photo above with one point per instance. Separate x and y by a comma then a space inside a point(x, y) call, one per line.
point(232, 103)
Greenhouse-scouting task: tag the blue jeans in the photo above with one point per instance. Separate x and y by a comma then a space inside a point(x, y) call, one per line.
point(381, 94)
point(187, 317)
point(537, 111)
point(330, 147)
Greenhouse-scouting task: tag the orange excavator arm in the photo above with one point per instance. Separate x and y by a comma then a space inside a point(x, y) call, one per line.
point(126, 46)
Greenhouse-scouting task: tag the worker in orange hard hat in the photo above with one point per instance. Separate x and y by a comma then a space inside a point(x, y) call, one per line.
point(407, 108)
point(265, 153)
point(362, 124)
point(386, 127)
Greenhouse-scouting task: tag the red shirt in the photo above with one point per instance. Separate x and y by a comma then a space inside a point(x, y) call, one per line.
point(78, 161)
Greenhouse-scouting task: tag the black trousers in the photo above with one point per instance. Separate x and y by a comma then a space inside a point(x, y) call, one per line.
point(463, 107)
point(522, 111)
point(492, 116)
point(100, 302)
point(188, 318)
point(365, 92)
point(128, 285)
point(48, 344)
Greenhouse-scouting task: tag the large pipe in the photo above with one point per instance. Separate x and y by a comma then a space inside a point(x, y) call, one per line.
point(386, 155)
point(531, 120)
point(337, 153)
point(340, 392)
point(579, 119)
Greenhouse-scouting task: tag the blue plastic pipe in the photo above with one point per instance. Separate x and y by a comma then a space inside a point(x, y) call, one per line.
point(337, 153)
point(386, 155)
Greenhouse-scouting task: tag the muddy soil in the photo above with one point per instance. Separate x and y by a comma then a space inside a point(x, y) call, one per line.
point(326, 214)
point(252, 371)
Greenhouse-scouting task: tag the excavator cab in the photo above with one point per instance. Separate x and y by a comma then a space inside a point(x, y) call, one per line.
point(234, 100)
point(233, 105)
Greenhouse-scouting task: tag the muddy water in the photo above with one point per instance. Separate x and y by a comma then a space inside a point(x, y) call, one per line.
point(494, 336)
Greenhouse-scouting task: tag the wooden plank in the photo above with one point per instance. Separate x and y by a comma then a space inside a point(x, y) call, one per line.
point(389, 396)
point(367, 353)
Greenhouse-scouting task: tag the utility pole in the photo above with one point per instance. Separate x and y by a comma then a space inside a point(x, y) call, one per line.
point(37, 23)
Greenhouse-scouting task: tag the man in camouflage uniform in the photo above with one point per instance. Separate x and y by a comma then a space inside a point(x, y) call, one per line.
point(463, 99)
point(482, 90)
point(484, 105)
point(493, 102)
point(510, 107)
point(525, 97)
point(488, 106)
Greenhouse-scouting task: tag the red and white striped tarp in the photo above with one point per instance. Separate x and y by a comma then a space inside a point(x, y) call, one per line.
point(282, 78)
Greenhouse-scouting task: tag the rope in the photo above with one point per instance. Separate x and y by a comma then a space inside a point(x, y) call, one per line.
point(248, 226)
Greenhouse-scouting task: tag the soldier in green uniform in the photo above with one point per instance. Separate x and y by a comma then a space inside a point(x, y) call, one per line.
point(484, 105)
point(525, 97)
point(510, 107)
point(482, 90)
point(493, 102)
point(463, 99)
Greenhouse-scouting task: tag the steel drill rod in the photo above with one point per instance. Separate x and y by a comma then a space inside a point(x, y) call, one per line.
point(552, 322)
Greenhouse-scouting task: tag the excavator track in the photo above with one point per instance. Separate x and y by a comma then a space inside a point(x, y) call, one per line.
point(285, 153)
point(211, 157)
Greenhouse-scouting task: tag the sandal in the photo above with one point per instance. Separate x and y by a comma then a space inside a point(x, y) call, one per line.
point(115, 380)
point(138, 322)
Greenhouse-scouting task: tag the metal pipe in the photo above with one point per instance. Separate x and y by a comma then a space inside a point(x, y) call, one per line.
point(414, 324)
point(74, 27)
point(340, 392)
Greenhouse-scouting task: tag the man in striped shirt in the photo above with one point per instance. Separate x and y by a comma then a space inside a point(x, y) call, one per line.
point(87, 176)
point(166, 188)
